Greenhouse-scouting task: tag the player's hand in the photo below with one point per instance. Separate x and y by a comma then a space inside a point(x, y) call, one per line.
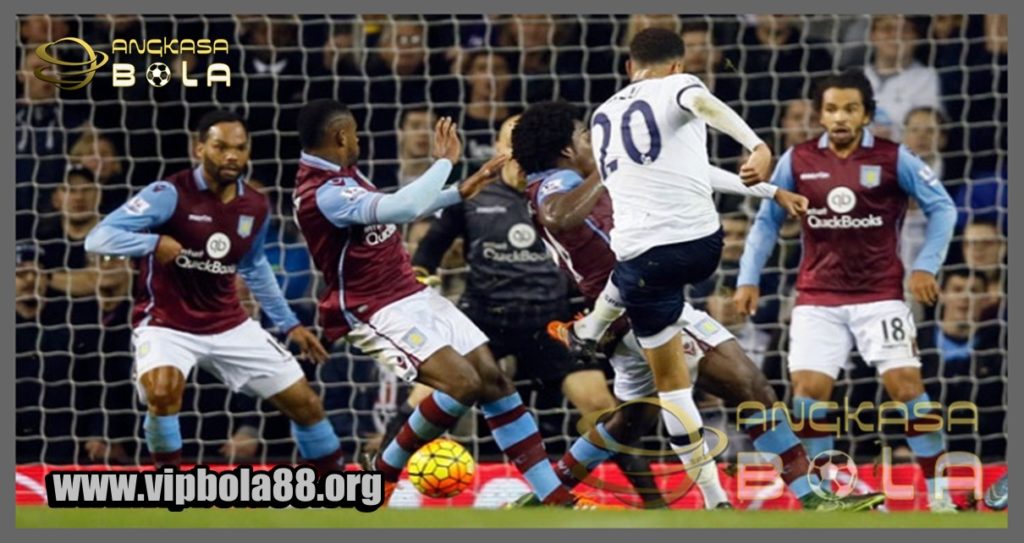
point(167, 249)
point(758, 167)
point(309, 344)
point(924, 287)
point(446, 140)
point(794, 204)
point(746, 299)
point(483, 177)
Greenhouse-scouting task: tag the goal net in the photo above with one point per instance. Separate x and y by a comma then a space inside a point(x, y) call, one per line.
point(941, 84)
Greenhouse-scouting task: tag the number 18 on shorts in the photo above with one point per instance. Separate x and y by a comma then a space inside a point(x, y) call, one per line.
point(822, 337)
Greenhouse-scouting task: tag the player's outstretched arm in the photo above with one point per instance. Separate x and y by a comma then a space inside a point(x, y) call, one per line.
point(119, 233)
point(726, 182)
point(704, 105)
point(468, 188)
point(920, 182)
point(761, 240)
point(566, 200)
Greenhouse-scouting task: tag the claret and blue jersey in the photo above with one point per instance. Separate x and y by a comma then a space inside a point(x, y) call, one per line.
point(851, 233)
point(196, 292)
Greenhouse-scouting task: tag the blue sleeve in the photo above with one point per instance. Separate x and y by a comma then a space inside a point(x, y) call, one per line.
point(447, 198)
point(561, 181)
point(255, 269)
point(765, 232)
point(345, 203)
point(121, 232)
point(920, 182)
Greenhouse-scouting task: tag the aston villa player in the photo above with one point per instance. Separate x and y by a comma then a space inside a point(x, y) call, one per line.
point(850, 283)
point(372, 296)
point(193, 233)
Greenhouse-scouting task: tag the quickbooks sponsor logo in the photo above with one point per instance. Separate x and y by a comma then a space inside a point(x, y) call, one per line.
point(208, 266)
point(844, 222)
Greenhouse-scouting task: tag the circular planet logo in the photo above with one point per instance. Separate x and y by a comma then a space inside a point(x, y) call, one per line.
point(70, 79)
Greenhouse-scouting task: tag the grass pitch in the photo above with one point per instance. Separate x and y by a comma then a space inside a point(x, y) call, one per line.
point(44, 517)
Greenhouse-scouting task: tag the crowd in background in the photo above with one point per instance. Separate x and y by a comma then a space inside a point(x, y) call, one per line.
point(940, 81)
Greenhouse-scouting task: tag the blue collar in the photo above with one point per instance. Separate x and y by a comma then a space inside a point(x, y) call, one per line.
point(537, 176)
point(317, 162)
point(867, 140)
point(197, 176)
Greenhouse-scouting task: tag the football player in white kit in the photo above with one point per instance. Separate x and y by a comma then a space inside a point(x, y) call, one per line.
point(650, 145)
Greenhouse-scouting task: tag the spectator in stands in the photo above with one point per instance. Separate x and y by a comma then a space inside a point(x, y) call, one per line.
point(704, 60)
point(40, 29)
point(487, 104)
point(63, 237)
point(98, 154)
point(40, 129)
point(42, 366)
point(538, 51)
point(778, 64)
point(640, 21)
point(984, 250)
point(414, 131)
point(111, 425)
point(799, 123)
point(962, 349)
point(901, 83)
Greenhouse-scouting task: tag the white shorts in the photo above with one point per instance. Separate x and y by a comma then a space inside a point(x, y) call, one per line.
point(246, 358)
point(821, 338)
point(633, 376)
point(402, 335)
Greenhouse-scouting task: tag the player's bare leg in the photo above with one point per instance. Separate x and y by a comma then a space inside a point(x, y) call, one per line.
point(164, 387)
point(727, 372)
point(318, 444)
point(675, 390)
point(588, 391)
point(904, 385)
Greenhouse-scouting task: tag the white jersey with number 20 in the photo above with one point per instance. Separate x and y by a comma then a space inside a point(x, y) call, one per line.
point(653, 158)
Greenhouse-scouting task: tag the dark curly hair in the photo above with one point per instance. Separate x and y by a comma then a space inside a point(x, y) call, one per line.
point(543, 131)
point(850, 79)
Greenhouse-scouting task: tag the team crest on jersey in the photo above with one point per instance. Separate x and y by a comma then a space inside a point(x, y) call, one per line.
point(245, 225)
point(414, 338)
point(870, 176)
point(136, 206)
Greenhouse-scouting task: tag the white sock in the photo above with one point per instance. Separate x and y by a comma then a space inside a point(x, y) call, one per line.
point(942, 484)
point(706, 473)
point(607, 309)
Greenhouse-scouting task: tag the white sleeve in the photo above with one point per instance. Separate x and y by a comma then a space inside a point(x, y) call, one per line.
point(696, 99)
point(726, 182)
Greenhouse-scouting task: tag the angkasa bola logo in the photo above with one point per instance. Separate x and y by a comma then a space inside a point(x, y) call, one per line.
point(77, 62)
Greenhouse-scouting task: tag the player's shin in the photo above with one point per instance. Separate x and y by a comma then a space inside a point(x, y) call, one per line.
point(163, 437)
point(319, 446)
point(771, 433)
point(686, 435)
point(928, 443)
point(607, 309)
point(432, 417)
point(516, 433)
point(814, 420)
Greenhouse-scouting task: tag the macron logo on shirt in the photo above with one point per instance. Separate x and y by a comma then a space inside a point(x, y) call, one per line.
point(813, 176)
